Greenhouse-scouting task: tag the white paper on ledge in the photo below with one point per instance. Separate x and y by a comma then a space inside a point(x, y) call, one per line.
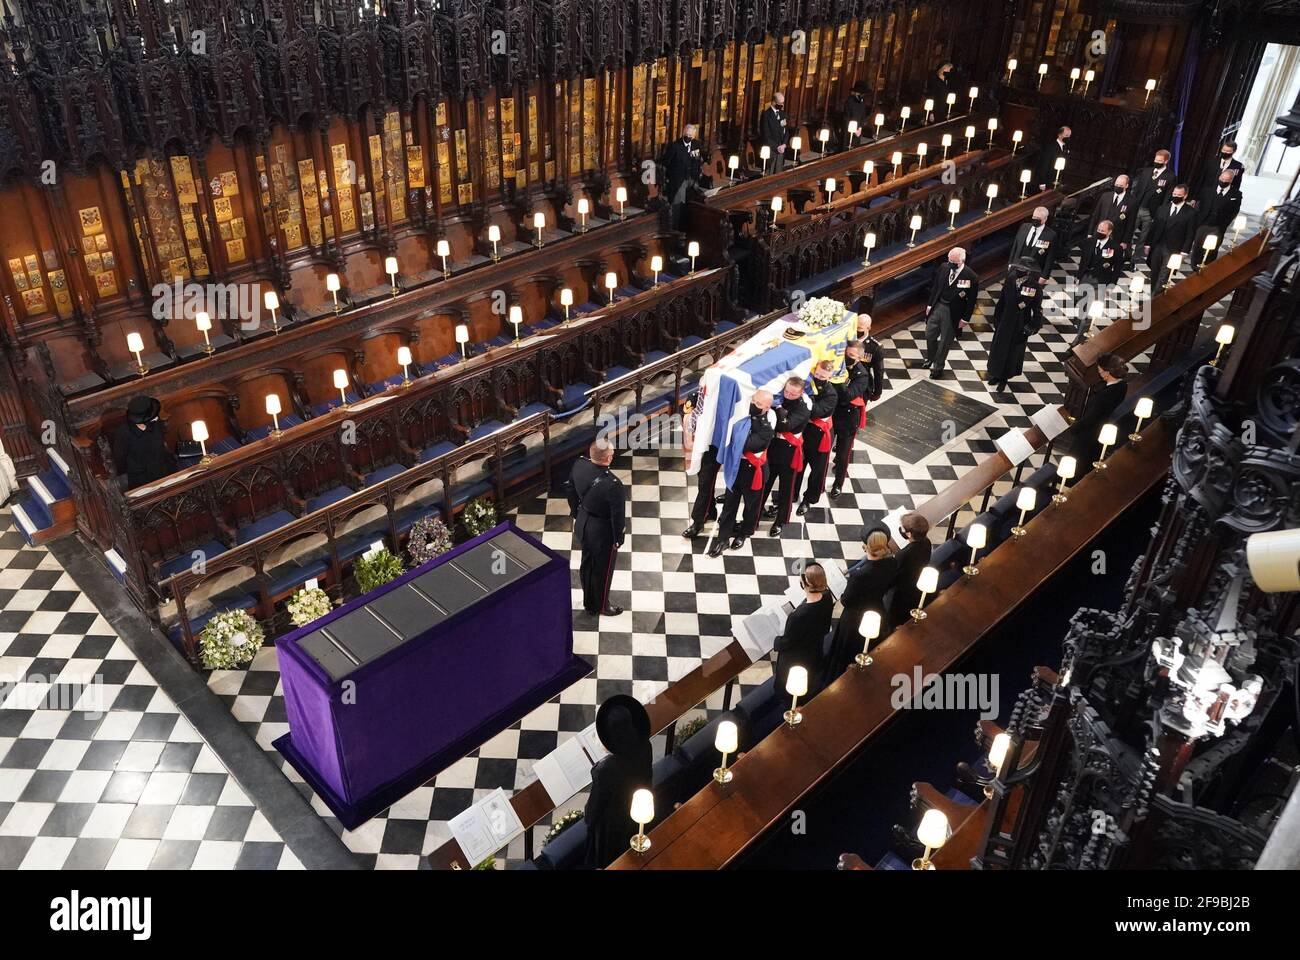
point(486, 827)
point(1015, 446)
point(1049, 420)
point(564, 771)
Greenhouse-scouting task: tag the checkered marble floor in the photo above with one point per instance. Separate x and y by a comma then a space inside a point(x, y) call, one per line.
point(98, 768)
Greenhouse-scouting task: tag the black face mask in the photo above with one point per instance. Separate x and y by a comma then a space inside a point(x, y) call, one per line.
point(754, 411)
point(1226, 155)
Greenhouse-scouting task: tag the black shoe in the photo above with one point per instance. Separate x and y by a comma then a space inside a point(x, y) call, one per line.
point(736, 543)
point(775, 531)
point(919, 364)
point(721, 498)
point(718, 547)
point(803, 509)
point(691, 532)
point(938, 374)
point(769, 513)
point(835, 493)
point(611, 611)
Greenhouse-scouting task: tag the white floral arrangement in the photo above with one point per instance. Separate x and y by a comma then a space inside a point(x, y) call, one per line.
point(308, 604)
point(230, 639)
point(479, 516)
point(819, 313)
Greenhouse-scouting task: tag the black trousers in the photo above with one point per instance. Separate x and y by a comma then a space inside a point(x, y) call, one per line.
point(940, 330)
point(843, 453)
point(597, 567)
point(742, 491)
point(783, 478)
point(817, 464)
point(704, 509)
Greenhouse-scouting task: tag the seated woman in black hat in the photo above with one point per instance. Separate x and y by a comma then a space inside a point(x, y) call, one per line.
point(140, 444)
point(623, 726)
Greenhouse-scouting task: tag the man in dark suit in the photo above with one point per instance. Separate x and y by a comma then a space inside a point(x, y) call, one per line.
point(785, 455)
point(1099, 261)
point(597, 502)
point(1151, 188)
point(751, 476)
point(912, 559)
point(1048, 155)
point(953, 292)
point(1035, 241)
point(1173, 229)
point(1225, 161)
point(850, 410)
point(855, 109)
point(1215, 211)
point(683, 162)
point(1097, 410)
point(772, 132)
point(1119, 206)
point(819, 434)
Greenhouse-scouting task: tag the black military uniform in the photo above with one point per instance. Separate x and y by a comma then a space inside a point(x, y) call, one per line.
point(818, 438)
point(1150, 190)
point(596, 500)
point(771, 129)
point(1120, 208)
point(1018, 316)
point(751, 477)
point(785, 459)
point(953, 293)
point(1099, 260)
point(1034, 242)
point(851, 414)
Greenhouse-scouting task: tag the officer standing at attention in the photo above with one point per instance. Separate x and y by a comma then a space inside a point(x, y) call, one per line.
point(850, 410)
point(597, 502)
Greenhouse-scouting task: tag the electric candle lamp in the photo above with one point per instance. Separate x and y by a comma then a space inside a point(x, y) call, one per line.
point(933, 833)
point(620, 196)
point(1074, 78)
point(204, 323)
point(796, 684)
point(915, 226)
point(998, 751)
point(494, 238)
point(977, 537)
point(404, 361)
point(1151, 88)
point(973, 93)
point(896, 158)
point(390, 268)
point(1096, 310)
point(904, 114)
point(273, 408)
point(566, 301)
point(341, 385)
point(1142, 410)
point(1208, 246)
point(970, 135)
point(1026, 499)
point(1237, 226)
point(928, 108)
point(868, 629)
point(462, 337)
point(643, 811)
point(993, 128)
point(1011, 68)
point(1065, 471)
point(1223, 337)
point(1137, 283)
point(584, 207)
point(796, 144)
point(992, 194)
point(853, 131)
point(777, 204)
point(733, 164)
point(954, 208)
point(951, 100)
point(725, 741)
point(765, 154)
point(135, 343)
point(443, 250)
point(830, 190)
point(693, 251)
point(1175, 264)
point(516, 318)
point(1042, 72)
point(1016, 137)
point(1106, 437)
point(921, 150)
point(823, 135)
point(869, 241)
point(656, 264)
point(946, 142)
point(927, 583)
point(1058, 166)
point(880, 122)
point(271, 301)
point(611, 284)
point(333, 285)
point(539, 224)
point(199, 434)
point(868, 168)
point(1088, 77)
point(1024, 182)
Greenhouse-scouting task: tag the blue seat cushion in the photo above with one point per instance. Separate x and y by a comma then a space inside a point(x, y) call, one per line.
point(486, 427)
point(186, 560)
point(292, 575)
point(383, 473)
point(437, 450)
point(272, 521)
point(331, 496)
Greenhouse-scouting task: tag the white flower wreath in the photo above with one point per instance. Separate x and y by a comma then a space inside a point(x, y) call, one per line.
point(307, 605)
point(820, 312)
point(230, 639)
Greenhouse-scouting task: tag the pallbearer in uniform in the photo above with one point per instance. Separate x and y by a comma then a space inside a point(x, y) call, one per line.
point(785, 456)
point(851, 410)
point(751, 475)
point(818, 436)
point(705, 506)
point(596, 499)
point(1017, 318)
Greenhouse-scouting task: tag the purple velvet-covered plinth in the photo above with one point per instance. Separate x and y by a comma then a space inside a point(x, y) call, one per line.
point(370, 733)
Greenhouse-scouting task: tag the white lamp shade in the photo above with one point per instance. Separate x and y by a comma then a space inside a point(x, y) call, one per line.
point(656, 263)
point(896, 157)
point(796, 682)
point(992, 191)
point(611, 280)
point(1175, 261)
point(928, 105)
point(1089, 75)
point(462, 333)
point(539, 220)
point(340, 379)
point(1074, 74)
point(777, 204)
point(1026, 498)
point(796, 143)
point(583, 205)
point(946, 140)
point(1210, 242)
point(1096, 309)
point(1240, 222)
point(977, 536)
point(1108, 434)
point(933, 830)
point(880, 119)
point(1151, 85)
point(1042, 68)
point(516, 314)
point(332, 283)
point(905, 112)
point(404, 356)
point(643, 806)
point(1225, 334)
point(566, 297)
point(390, 265)
point(494, 234)
point(830, 184)
point(998, 751)
point(764, 152)
point(973, 92)
point(823, 134)
point(869, 628)
point(199, 431)
point(134, 342)
point(1025, 175)
point(954, 205)
point(273, 404)
point(621, 194)
point(853, 126)
point(1067, 468)
point(727, 737)
point(733, 162)
point(202, 320)
point(928, 581)
point(922, 149)
point(1136, 284)
point(1012, 64)
point(1059, 165)
point(271, 300)
point(869, 241)
point(1017, 135)
point(916, 222)
point(970, 131)
point(1144, 407)
point(993, 123)
point(693, 249)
